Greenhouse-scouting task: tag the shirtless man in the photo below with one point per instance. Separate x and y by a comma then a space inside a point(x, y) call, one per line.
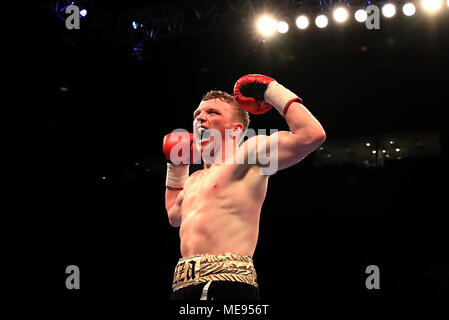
point(218, 208)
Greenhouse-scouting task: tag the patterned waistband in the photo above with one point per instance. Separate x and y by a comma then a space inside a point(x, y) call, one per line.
point(214, 267)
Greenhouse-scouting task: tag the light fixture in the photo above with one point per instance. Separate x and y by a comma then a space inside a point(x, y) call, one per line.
point(266, 25)
point(340, 14)
point(388, 10)
point(360, 15)
point(431, 5)
point(302, 22)
point(409, 9)
point(321, 21)
point(282, 27)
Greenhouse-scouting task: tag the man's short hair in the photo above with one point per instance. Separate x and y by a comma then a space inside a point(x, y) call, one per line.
point(241, 114)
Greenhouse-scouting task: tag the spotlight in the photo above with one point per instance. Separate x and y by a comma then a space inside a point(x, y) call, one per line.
point(360, 15)
point(340, 14)
point(431, 5)
point(282, 27)
point(83, 12)
point(321, 21)
point(302, 22)
point(135, 25)
point(388, 10)
point(409, 9)
point(266, 25)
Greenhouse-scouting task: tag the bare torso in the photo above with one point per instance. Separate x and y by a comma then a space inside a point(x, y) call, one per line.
point(220, 210)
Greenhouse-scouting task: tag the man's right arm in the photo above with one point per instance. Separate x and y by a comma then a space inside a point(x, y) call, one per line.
point(173, 205)
point(176, 148)
point(177, 175)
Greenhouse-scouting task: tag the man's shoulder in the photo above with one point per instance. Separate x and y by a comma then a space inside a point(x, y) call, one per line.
point(190, 181)
point(252, 142)
point(194, 175)
point(256, 137)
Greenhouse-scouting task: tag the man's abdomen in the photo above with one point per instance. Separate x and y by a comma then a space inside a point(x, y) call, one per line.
point(218, 231)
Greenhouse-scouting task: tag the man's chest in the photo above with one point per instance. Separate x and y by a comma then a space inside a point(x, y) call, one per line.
point(208, 184)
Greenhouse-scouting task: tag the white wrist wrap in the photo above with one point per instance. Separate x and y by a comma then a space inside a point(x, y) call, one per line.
point(278, 96)
point(176, 175)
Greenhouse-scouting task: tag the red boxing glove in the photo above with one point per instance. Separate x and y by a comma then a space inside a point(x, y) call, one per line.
point(249, 93)
point(179, 148)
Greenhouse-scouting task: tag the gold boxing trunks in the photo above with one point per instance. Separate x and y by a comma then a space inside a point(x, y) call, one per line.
point(214, 267)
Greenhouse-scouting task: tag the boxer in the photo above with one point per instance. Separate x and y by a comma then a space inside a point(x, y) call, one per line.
point(218, 207)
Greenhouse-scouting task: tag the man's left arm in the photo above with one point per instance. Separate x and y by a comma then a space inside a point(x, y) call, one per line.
point(257, 94)
point(306, 133)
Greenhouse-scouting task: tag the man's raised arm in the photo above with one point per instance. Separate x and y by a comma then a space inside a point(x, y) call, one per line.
point(257, 94)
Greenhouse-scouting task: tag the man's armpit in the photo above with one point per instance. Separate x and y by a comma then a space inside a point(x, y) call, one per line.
point(255, 151)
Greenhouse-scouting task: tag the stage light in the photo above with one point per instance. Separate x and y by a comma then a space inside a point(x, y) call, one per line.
point(431, 5)
point(282, 27)
point(360, 15)
point(135, 25)
point(368, 144)
point(321, 21)
point(388, 10)
point(409, 9)
point(397, 149)
point(302, 22)
point(83, 12)
point(340, 14)
point(266, 25)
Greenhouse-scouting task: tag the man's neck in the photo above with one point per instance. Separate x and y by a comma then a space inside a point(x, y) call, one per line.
point(225, 156)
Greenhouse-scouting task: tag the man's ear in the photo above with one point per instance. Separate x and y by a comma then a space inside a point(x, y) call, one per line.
point(237, 128)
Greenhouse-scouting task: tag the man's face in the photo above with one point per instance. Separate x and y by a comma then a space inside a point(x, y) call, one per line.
point(212, 114)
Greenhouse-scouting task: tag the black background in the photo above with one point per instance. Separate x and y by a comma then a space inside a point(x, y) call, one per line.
point(320, 226)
